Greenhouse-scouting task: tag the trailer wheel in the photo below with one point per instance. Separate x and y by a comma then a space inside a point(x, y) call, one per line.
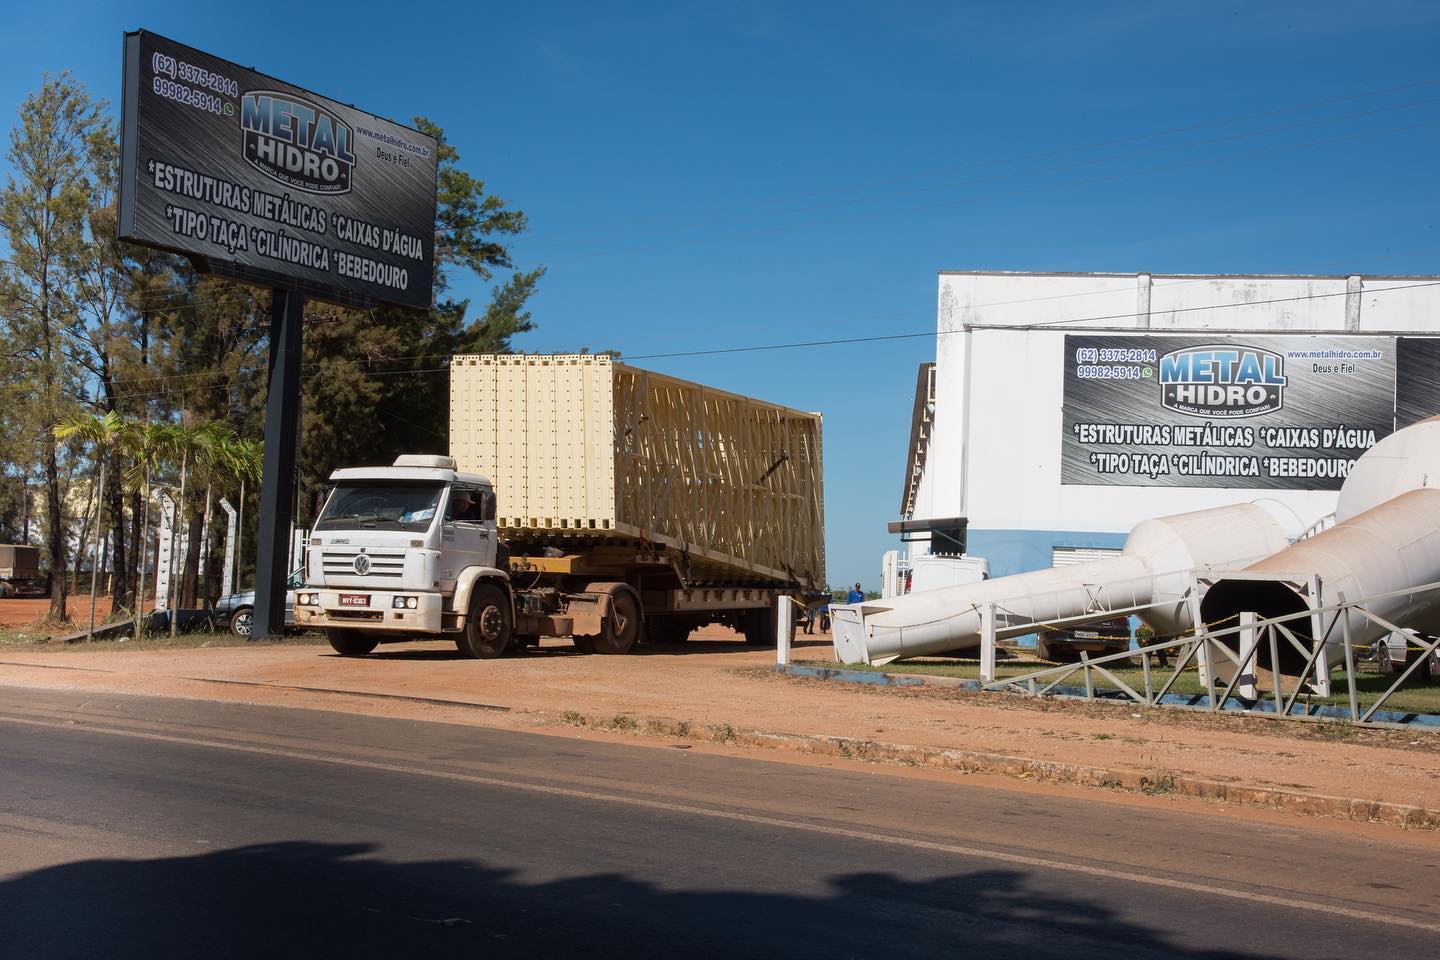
point(759, 627)
point(488, 628)
point(351, 643)
point(668, 630)
point(621, 630)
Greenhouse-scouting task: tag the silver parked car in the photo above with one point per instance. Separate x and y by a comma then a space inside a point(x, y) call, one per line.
point(237, 610)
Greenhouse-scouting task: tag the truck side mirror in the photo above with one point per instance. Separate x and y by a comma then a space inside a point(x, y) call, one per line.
point(487, 505)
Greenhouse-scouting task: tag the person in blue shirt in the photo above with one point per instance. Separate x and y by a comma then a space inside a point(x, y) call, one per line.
point(856, 596)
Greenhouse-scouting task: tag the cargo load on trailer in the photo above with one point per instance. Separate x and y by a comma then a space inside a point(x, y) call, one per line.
point(20, 572)
point(582, 498)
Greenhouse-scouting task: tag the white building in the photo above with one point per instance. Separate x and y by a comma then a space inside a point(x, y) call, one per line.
point(1062, 409)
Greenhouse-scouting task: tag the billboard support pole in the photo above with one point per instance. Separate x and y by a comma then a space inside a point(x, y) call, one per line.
point(277, 490)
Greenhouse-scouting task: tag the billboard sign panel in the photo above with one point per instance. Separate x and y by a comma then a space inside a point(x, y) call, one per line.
point(261, 180)
point(1269, 412)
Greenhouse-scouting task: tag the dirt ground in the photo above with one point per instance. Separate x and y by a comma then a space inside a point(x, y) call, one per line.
point(715, 679)
point(22, 613)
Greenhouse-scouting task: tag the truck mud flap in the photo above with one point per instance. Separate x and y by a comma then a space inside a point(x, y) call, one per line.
point(587, 613)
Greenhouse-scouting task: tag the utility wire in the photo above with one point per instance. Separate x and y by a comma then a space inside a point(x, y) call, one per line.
point(839, 341)
point(941, 333)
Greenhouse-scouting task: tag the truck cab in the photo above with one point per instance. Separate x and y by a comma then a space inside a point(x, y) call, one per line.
point(407, 551)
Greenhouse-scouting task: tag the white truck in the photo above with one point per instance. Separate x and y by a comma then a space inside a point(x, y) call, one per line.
point(636, 506)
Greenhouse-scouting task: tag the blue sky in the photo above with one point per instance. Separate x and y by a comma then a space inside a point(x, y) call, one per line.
point(710, 175)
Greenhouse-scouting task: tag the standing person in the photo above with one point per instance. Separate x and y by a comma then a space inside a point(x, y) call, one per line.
point(856, 596)
point(825, 599)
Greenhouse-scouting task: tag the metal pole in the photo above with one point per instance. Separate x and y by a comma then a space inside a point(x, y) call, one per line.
point(1145, 670)
point(987, 643)
point(1349, 657)
point(277, 488)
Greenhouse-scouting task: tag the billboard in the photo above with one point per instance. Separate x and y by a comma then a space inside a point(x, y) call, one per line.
point(262, 180)
point(1272, 412)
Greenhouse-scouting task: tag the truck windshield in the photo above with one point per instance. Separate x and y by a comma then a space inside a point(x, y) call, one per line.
point(375, 504)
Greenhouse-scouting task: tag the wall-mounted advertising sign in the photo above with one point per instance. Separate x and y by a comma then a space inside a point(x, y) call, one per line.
point(262, 180)
point(1279, 412)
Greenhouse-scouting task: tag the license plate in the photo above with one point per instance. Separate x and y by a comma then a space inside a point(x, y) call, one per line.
point(354, 599)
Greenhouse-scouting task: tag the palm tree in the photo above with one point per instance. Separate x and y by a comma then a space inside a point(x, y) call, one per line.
point(144, 444)
point(103, 430)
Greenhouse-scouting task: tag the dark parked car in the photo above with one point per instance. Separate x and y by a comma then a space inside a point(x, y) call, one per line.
point(1098, 638)
point(237, 610)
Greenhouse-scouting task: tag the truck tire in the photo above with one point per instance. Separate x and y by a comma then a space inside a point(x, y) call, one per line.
point(351, 643)
point(621, 630)
point(1388, 665)
point(759, 627)
point(489, 626)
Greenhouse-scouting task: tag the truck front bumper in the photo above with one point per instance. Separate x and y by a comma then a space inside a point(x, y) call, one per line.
point(342, 609)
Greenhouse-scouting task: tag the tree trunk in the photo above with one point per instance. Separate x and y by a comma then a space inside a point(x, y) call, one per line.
point(95, 562)
point(140, 555)
point(139, 516)
point(119, 584)
point(55, 533)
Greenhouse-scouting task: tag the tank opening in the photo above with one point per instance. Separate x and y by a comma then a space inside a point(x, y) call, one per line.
point(1225, 601)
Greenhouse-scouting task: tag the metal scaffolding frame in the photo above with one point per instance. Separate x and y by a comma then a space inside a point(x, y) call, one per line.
point(1206, 647)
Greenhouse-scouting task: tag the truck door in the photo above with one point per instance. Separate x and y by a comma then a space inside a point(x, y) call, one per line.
point(468, 532)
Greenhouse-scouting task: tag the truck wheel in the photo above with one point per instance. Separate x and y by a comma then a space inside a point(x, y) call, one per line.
point(621, 630)
point(488, 628)
point(351, 643)
point(1384, 661)
point(759, 627)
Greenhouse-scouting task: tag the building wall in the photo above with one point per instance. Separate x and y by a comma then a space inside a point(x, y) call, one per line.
point(994, 455)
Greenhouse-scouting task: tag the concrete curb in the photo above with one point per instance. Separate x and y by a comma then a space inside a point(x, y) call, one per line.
point(1159, 782)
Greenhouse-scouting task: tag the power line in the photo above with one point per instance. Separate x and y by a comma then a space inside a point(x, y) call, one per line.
point(879, 338)
point(941, 333)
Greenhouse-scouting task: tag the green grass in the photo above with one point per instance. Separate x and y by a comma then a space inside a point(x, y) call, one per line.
point(1419, 695)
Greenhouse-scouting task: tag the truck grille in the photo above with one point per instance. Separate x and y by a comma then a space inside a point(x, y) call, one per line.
point(384, 565)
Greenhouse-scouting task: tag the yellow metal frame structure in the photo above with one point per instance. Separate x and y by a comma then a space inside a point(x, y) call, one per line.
point(583, 450)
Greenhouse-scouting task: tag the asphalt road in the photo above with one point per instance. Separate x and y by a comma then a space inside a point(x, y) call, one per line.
point(142, 827)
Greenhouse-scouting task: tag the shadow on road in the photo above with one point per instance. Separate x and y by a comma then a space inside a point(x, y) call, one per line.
point(340, 900)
